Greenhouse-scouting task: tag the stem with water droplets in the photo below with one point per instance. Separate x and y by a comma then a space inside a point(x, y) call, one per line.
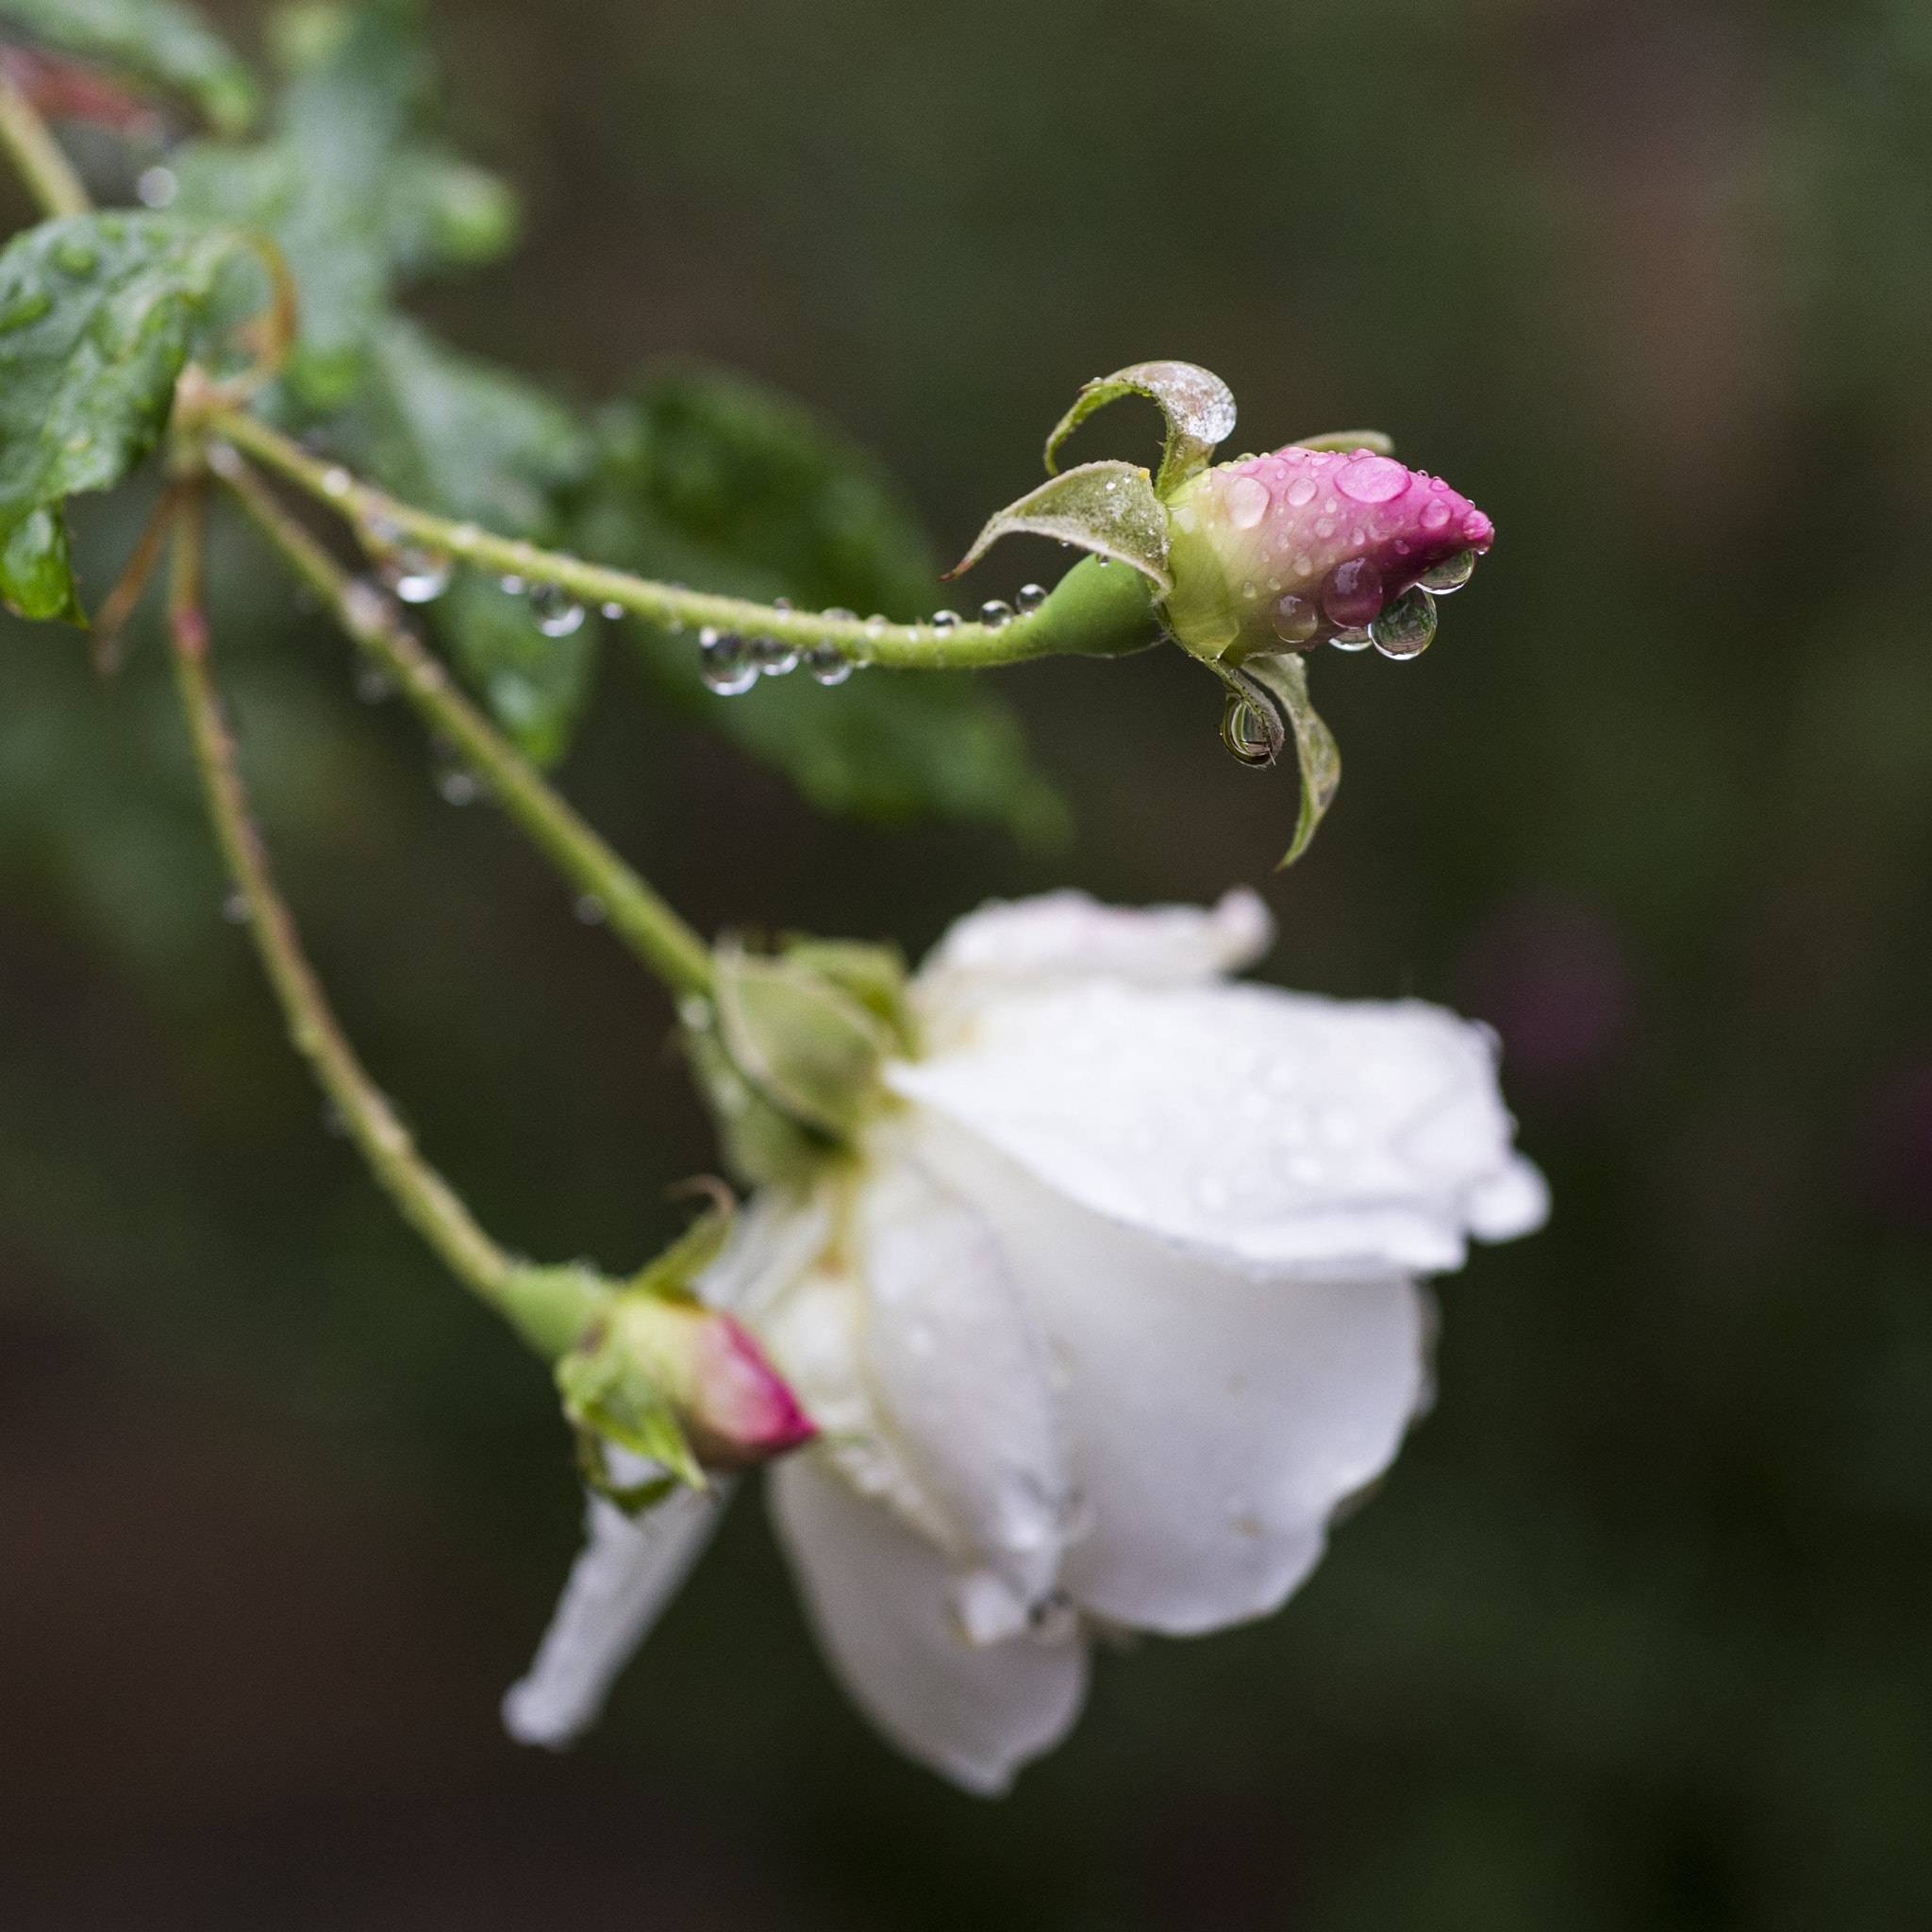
point(635, 913)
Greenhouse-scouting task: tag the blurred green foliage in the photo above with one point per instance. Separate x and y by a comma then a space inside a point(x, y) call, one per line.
point(1635, 1635)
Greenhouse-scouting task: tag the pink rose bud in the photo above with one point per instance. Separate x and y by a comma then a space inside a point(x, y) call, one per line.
point(736, 1408)
point(1285, 550)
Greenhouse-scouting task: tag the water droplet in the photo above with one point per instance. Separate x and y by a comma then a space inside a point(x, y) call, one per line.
point(512, 585)
point(1370, 478)
point(829, 664)
point(591, 911)
point(1247, 501)
point(1030, 598)
point(1244, 732)
point(1354, 639)
point(372, 685)
point(157, 187)
point(1295, 620)
point(558, 613)
point(876, 625)
point(235, 908)
point(1102, 562)
point(1325, 527)
point(945, 620)
point(613, 610)
point(783, 603)
point(337, 483)
point(1301, 490)
point(837, 614)
point(1352, 592)
point(458, 788)
point(1450, 575)
point(725, 663)
point(1406, 627)
point(995, 613)
point(1433, 515)
point(415, 575)
point(774, 656)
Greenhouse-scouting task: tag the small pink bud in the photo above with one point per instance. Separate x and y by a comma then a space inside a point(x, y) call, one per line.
point(740, 1409)
point(1291, 548)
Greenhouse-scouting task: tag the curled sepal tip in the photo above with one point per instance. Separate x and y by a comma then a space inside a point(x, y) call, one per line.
point(1109, 508)
point(1267, 699)
point(1198, 406)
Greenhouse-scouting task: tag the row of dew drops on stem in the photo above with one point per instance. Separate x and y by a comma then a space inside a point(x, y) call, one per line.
point(731, 663)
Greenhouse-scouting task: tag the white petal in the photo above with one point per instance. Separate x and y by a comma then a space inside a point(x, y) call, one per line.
point(878, 1598)
point(1278, 1130)
point(907, 1342)
point(775, 1237)
point(961, 1378)
point(1021, 942)
point(1214, 1417)
point(630, 1568)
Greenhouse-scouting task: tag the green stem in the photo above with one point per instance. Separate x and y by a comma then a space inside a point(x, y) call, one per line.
point(904, 646)
point(550, 1306)
point(48, 174)
point(635, 913)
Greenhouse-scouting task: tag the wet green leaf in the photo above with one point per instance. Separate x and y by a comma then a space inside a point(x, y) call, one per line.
point(353, 191)
point(98, 313)
point(708, 479)
point(161, 41)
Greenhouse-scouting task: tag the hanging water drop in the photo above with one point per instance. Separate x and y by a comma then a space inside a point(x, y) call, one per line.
point(415, 575)
point(946, 620)
point(1450, 574)
point(774, 656)
point(1406, 628)
point(829, 664)
point(995, 613)
point(511, 584)
point(1030, 598)
point(1294, 620)
point(337, 483)
point(458, 788)
point(591, 911)
point(1244, 732)
point(235, 908)
point(725, 663)
point(613, 610)
point(558, 613)
point(1354, 639)
point(837, 614)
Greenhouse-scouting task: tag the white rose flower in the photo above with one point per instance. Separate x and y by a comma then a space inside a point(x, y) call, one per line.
point(1104, 1316)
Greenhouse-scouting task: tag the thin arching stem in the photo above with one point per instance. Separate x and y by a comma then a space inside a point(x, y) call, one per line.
point(48, 174)
point(635, 913)
point(865, 641)
point(549, 1306)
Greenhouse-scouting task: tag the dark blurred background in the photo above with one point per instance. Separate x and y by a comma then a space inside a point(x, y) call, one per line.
point(1639, 1631)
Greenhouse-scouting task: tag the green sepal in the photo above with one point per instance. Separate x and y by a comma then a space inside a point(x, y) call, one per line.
point(875, 976)
point(97, 315)
point(1109, 508)
point(607, 1394)
point(156, 40)
point(672, 1274)
point(810, 1047)
point(1284, 676)
point(1349, 439)
point(1198, 406)
point(594, 1466)
point(760, 1144)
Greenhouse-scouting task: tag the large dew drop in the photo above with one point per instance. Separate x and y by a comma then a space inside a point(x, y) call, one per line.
point(1450, 575)
point(416, 576)
point(774, 657)
point(1406, 627)
point(1030, 598)
point(558, 613)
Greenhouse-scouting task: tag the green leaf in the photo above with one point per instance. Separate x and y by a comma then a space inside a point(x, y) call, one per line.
point(157, 39)
point(353, 193)
point(707, 478)
point(1285, 677)
point(449, 433)
point(1198, 406)
point(97, 314)
point(1109, 508)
